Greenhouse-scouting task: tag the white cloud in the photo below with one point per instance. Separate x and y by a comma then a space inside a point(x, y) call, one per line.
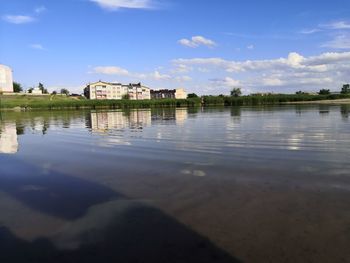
point(18, 19)
point(111, 70)
point(341, 41)
point(329, 58)
point(197, 41)
point(181, 69)
point(337, 25)
point(37, 46)
point(293, 61)
point(226, 82)
point(251, 47)
point(157, 76)
point(183, 78)
point(40, 9)
point(293, 72)
point(118, 71)
point(272, 82)
point(310, 31)
point(187, 43)
point(118, 4)
point(338, 31)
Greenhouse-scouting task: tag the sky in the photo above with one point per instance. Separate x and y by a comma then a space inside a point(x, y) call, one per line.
point(206, 47)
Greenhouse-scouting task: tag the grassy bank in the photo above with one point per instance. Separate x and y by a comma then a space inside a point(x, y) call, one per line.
point(63, 102)
point(269, 99)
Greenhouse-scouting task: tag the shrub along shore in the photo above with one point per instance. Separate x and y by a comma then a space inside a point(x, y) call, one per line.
point(273, 99)
point(25, 102)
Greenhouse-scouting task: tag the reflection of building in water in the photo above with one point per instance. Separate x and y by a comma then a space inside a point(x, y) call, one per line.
point(8, 138)
point(181, 116)
point(114, 120)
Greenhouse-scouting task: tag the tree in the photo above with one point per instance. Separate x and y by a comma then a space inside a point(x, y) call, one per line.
point(30, 90)
point(54, 92)
point(41, 87)
point(300, 92)
point(126, 97)
point(324, 92)
point(345, 89)
point(192, 95)
point(65, 91)
point(17, 87)
point(236, 92)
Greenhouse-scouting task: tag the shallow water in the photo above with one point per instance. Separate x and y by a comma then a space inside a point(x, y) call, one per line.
point(261, 184)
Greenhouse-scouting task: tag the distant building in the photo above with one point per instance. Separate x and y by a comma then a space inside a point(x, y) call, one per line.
point(37, 91)
point(180, 94)
point(6, 80)
point(168, 94)
point(163, 94)
point(116, 91)
point(262, 94)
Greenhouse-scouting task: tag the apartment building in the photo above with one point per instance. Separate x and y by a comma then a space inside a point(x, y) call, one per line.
point(116, 91)
point(138, 92)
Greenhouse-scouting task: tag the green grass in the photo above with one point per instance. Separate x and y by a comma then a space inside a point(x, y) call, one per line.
point(63, 102)
point(268, 100)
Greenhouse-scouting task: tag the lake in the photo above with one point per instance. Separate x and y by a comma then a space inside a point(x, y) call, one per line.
point(244, 184)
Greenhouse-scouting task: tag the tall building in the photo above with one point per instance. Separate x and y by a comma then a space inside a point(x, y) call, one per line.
point(116, 91)
point(6, 81)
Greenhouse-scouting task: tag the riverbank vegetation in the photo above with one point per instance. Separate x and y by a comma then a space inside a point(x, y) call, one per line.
point(268, 99)
point(24, 101)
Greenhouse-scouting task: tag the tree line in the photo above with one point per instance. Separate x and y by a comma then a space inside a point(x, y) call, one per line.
point(17, 88)
point(237, 92)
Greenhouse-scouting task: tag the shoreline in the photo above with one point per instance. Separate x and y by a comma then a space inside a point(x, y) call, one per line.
point(337, 101)
point(24, 103)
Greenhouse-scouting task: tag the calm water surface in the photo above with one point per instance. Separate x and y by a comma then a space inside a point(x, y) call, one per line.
point(265, 184)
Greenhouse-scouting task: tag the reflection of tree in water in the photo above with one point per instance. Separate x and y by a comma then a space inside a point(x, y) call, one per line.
point(236, 114)
point(42, 121)
point(344, 110)
point(46, 126)
point(159, 115)
point(193, 110)
point(176, 116)
point(324, 109)
point(236, 111)
point(20, 129)
point(299, 110)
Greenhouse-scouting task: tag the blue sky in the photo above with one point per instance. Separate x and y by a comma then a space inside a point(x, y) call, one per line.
point(207, 47)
